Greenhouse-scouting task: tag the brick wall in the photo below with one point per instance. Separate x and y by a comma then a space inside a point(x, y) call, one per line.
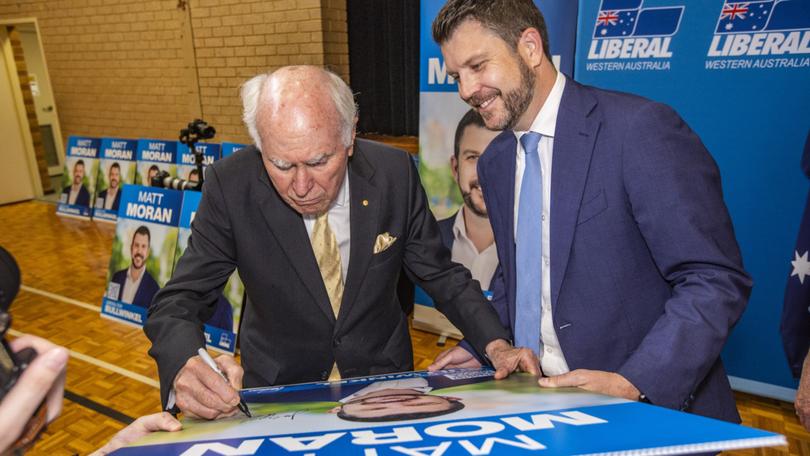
point(144, 68)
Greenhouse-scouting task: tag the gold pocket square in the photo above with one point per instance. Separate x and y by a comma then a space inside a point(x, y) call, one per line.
point(383, 241)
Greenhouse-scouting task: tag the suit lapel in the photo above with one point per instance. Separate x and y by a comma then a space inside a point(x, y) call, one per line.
point(364, 208)
point(499, 164)
point(287, 226)
point(574, 141)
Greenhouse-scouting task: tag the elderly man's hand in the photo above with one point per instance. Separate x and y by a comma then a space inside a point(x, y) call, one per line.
point(202, 393)
point(507, 359)
point(454, 358)
point(44, 379)
point(141, 427)
point(608, 383)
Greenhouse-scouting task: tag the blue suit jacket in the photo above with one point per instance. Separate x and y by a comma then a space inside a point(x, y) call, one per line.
point(82, 199)
point(146, 290)
point(646, 275)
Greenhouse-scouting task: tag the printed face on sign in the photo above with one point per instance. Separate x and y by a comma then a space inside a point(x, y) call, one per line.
point(139, 250)
point(492, 77)
point(78, 172)
point(115, 175)
point(153, 171)
point(473, 142)
point(396, 405)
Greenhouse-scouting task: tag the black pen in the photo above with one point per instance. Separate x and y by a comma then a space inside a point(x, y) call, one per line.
point(213, 365)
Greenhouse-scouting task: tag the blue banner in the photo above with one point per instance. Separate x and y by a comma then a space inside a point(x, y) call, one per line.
point(155, 156)
point(186, 161)
point(721, 65)
point(453, 412)
point(230, 148)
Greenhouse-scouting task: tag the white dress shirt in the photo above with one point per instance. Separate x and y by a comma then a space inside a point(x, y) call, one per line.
point(482, 265)
point(552, 359)
point(73, 195)
point(338, 218)
point(131, 285)
point(110, 199)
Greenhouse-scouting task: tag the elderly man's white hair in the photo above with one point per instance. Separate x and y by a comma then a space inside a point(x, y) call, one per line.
point(252, 93)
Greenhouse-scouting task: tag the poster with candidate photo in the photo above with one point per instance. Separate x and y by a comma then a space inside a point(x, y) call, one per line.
point(143, 249)
point(186, 161)
point(116, 169)
point(153, 157)
point(79, 177)
point(220, 330)
point(453, 412)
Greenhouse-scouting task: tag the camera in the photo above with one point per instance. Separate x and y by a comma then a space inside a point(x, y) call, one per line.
point(197, 130)
point(11, 364)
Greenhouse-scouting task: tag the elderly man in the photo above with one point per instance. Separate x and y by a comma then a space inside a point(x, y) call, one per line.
point(320, 226)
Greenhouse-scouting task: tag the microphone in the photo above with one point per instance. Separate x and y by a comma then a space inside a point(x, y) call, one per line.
point(164, 180)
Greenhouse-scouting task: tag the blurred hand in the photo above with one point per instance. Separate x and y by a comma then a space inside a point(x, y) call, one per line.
point(202, 393)
point(507, 359)
point(44, 379)
point(140, 428)
point(608, 383)
point(454, 358)
point(802, 402)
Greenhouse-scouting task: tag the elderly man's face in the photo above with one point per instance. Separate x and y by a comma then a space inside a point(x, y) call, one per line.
point(306, 165)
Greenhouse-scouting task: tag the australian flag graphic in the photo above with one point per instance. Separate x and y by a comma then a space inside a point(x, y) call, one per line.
point(773, 15)
point(795, 327)
point(626, 18)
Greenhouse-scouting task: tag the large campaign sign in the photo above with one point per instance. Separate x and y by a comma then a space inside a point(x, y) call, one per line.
point(738, 73)
point(143, 251)
point(79, 177)
point(453, 412)
point(441, 109)
point(116, 169)
point(221, 328)
point(155, 156)
point(187, 161)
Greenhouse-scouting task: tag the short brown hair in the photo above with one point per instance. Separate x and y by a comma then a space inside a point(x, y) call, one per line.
point(507, 18)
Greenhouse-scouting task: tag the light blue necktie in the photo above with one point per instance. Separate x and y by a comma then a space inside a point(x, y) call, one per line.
point(529, 246)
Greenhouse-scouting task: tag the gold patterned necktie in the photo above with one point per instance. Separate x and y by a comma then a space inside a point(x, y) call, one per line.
point(327, 254)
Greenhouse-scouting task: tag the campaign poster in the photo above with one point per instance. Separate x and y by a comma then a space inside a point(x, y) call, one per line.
point(229, 149)
point(186, 161)
point(116, 169)
point(79, 177)
point(143, 251)
point(154, 156)
point(453, 412)
point(220, 330)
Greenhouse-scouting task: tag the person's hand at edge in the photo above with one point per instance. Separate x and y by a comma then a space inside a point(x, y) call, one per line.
point(141, 427)
point(454, 358)
point(507, 359)
point(608, 383)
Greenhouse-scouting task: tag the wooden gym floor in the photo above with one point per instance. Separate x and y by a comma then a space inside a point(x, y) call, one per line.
point(111, 379)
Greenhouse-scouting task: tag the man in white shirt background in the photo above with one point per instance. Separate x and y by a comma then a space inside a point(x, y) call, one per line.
point(468, 233)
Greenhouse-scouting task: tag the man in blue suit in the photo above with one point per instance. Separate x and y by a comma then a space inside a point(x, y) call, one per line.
point(619, 263)
point(134, 285)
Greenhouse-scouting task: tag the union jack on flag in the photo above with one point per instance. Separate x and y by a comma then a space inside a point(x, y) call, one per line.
point(736, 17)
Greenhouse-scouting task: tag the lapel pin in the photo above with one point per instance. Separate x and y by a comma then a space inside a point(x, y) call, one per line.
point(365, 202)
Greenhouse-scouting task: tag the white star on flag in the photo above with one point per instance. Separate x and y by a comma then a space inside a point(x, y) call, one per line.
point(801, 267)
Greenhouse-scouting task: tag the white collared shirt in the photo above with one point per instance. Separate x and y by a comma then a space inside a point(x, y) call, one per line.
point(110, 199)
point(131, 285)
point(73, 195)
point(552, 359)
point(338, 217)
point(482, 265)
